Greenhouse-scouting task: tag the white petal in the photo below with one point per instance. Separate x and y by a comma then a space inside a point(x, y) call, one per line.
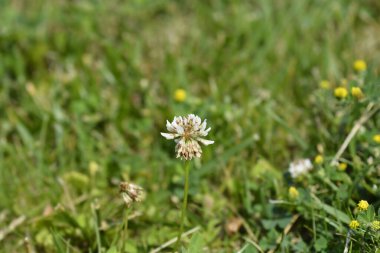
point(204, 132)
point(204, 141)
point(170, 127)
point(169, 136)
point(197, 120)
point(126, 198)
point(179, 129)
point(203, 125)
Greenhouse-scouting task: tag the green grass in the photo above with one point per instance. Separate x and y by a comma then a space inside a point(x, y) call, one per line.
point(93, 81)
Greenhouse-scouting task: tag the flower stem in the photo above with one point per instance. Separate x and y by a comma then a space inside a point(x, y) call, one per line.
point(124, 230)
point(184, 204)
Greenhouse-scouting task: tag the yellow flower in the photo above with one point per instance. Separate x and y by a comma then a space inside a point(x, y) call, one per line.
point(324, 84)
point(318, 159)
point(31, 89)
point(363, 205)
point(76, 179)
point(354, 224)
point(293, 192)
point(375, 225)
point(180, 95)
point(376, 138)
point(360, 65)
point(93, 167)
point(357, 92)
point(340, 92)
point(342, 166)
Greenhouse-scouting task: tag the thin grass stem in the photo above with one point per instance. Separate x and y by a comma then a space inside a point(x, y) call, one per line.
point(184, 204)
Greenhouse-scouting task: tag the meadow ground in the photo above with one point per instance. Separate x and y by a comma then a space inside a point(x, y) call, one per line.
point(86, 88)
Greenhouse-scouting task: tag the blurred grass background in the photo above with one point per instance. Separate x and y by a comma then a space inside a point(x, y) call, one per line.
point(93, 81)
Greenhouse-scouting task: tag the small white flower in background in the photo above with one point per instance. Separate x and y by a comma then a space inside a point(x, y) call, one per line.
point(131, 192)
point(300, 167)
point(187, 131)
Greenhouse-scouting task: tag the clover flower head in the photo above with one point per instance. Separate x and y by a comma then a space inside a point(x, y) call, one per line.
point(360, 65)
point(376, 138)
point(300, 167)
point(375, 225)
point(363, 205)
point(293, 192)
point(324, 84)
point(354, 224)
point(318, 159)
point(357, 92)
point(180, 95)
point(340, 92)
point(342, 166)
point(131, 193)
point(93, 167)
point(187, 131)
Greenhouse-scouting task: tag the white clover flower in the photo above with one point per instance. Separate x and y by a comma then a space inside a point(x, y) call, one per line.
point(187, 131)
point(131, 193)
point(300, 167)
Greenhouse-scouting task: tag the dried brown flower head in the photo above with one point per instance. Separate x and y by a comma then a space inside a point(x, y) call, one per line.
point(131, 193)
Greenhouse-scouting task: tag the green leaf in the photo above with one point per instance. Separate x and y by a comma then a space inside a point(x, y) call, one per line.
point(281, 222)
point(44, 237)
point(371, 213)
point(284, 124)
point(342, 193)
point(59, 245)
point(196, 244)
point(320, 244)
point(268, 224)
point(339, 215)
point(113, 249)
point(230, 152)
point(264, 169)
point(367, 216)
point(248, 248)
point(25, 135)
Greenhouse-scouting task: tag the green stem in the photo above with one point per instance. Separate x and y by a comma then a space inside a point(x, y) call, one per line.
point(124, 230)
point(96, 213)
point(184, 204)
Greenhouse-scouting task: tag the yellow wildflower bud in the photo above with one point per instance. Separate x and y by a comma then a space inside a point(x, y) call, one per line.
point(180, 95)
point(93, 167)
point(360, 65)
point(77, 179)
point(340, 92)
point(342, 166)
point(318, 159)
point(293, 192)
point(31, 89)
point(324, 84)
point(363, 205)
point(357, 92)
point(376, 138)
point(375, 225)
point(354, 224)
